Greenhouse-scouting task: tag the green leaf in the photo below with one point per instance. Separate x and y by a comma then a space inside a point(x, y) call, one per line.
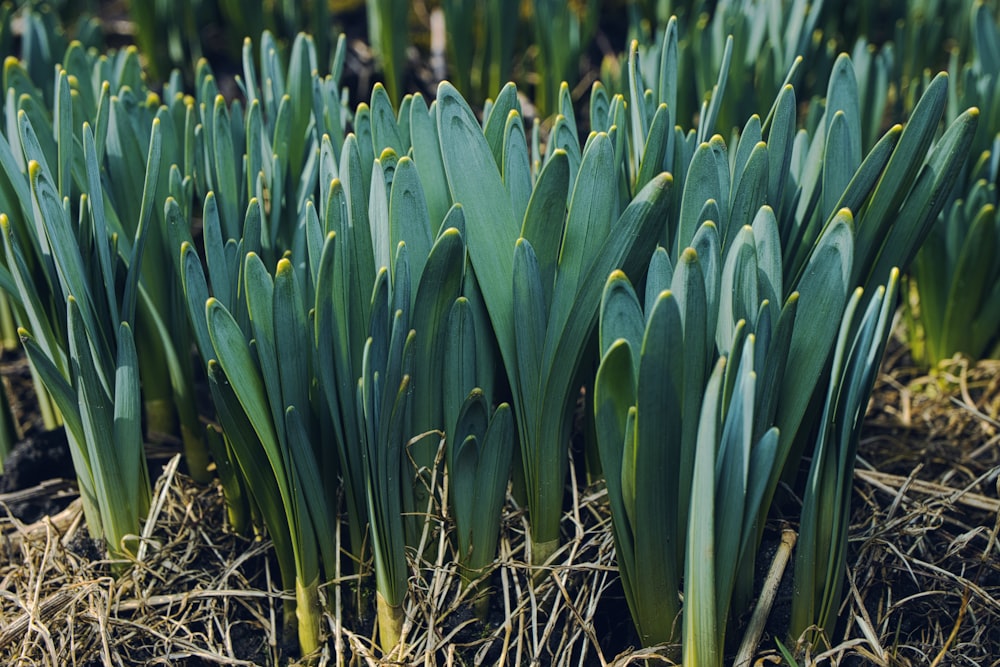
point(408, 218)
point(838, 163)
point(226, 188)
point(264, 485)
point(732, 478)
point(656, 148)
point(235, 359)
point(545, 219)
point(529, 328)
point(702, 640)
point(659, 275)
point(496, 123)
point(842, 100)
point(291, 341)
point(439, 287)
point(823, 292)
point(701, 184)
point(627, 246)
point(64, 396)
point(312, 509)
point(127, 422)
point(385, 130)
point(254, 143)
point(142, 224)
point(223, 285)
point(563, 137)
point(659, 402)
point(427, 156)
point(639, 122)
point(739, 293)
point(688, 289)
point(52, 221)
point(921, 208)
point(969, 287)
point(744, 143)
point(459, 373)
point(491, 227)
point(669, 59)
point(492, 474)
point(260, 305)
point(767, 241)
point(876, 218)
point(599, 108)
point(621, 315)
point(101, 231)
point(708, 121)
point(26, 289)
point(463, 477)
point(614, 395)
point(516, 165)
point(119, 508)
point(63, 130)
point(780, 139)
point(39, 147)
point(750, 192)
point(591, 213)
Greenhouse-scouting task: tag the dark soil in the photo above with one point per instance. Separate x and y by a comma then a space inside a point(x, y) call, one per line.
point(38, 459)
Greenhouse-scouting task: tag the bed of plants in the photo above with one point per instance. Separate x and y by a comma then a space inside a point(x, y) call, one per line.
point(676, 353)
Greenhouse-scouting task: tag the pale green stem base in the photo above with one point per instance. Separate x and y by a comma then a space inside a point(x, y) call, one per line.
point(309, 615)
point(196, 456)
point(540, 554)
point(390, 623)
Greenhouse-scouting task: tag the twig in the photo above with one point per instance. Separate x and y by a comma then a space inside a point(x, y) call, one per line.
point(763, 609)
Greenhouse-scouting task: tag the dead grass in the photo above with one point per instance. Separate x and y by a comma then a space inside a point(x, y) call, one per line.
point(197, 594)
point(923, 585)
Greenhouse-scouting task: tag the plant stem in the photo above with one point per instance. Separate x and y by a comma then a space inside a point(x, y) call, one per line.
point(309, 614)
point(390, 623)
point(8, 329)
point(542, 551)
point(50, 415)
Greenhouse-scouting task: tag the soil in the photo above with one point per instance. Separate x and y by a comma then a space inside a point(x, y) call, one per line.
point(41, 461)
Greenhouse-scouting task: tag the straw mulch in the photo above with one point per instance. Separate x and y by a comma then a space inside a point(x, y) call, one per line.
point(923, 584)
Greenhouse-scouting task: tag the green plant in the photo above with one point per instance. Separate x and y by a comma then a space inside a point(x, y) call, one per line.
point(750, 49)
point(822, 547)
point(43, 39)
point(768, 240)
point(110, 94)
point(661, 407)
point(92, 373)
point(480, 469)
point(953, 298)
point(957, 306)
point(359, 391)
point(252, 328)
point(534, 262)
